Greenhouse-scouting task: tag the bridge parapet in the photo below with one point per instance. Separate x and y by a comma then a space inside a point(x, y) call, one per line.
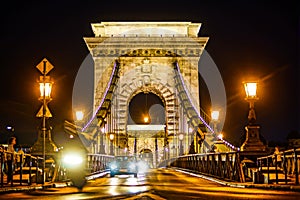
point(97, 163)
point(285, 166)
point(226, 166)
point(24, 169)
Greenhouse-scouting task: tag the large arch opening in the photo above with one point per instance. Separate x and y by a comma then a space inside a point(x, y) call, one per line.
point(146, 108)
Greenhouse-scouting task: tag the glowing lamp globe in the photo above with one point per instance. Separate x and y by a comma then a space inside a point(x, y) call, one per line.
point(250, 89)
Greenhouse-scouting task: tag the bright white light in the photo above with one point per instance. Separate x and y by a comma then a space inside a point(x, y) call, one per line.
point(113, 166)
point(142, 166)
point(79, 115)
point(220, 136)
point(72, 159)
point(181, 136)
point(215, 115)
point(146, 119)
point(250, 89)
point(111, 136)
point(45, 89)
point(132, 166)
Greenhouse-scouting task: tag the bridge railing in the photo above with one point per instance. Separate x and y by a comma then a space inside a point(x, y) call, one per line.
point(98, 163)
point(18, 161)
point(285, 165)
point(224, 166)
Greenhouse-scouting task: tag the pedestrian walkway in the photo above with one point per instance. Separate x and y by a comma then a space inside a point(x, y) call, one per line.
point(279, 186)
point(34, 186)
point(25, 187)
point(16, 187)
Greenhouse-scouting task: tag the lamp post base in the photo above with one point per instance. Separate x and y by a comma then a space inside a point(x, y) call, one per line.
point(253, 142)
point(50, 146)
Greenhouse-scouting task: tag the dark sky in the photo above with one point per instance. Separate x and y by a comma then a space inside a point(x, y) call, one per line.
point(247, 38)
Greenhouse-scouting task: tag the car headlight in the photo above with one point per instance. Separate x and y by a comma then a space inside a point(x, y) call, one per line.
point(72, 159)
point(143, 167)
point(113, 166)
point(132, 166)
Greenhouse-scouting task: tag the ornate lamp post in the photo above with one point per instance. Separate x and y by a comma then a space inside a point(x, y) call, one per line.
point(45, 86)
point(79, 122)
point(146, 117)
point(251, 97)
point(102, 132)
point(79, 115)
point(10, 131)
point(252, 141)
point(111, 138)
point(220, 136)
point(45, 96)
point(181, 136)
point(215, 117)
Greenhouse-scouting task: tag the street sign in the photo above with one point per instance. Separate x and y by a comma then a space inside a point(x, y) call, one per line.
point(44, 66)
point(47, 114)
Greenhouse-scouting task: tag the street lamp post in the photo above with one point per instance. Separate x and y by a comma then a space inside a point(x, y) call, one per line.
point(251, 97)
point(252, 142)
point(10, 131)
point(111, 138)
point(215, 117)
point(181, 136)
point(79, 115)
point(102, 132)
point(45, 96)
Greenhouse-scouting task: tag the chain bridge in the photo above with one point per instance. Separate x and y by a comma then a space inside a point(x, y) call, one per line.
point(146, 103)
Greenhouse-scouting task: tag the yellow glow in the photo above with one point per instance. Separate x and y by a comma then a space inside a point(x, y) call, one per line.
point(79, 115)
point(146, 119)
point(250, 89)
point(111, 136)
point(215, 115)
point(220, 136)
point(45, 89)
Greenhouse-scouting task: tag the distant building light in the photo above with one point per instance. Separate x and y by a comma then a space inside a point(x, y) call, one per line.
point(9, 128)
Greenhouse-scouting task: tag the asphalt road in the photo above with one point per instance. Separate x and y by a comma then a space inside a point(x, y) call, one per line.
point(156, 184)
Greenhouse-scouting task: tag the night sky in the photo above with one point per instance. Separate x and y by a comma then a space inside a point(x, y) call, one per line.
point(252, 38)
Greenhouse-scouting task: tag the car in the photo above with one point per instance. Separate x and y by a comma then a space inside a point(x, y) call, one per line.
point(124, 165)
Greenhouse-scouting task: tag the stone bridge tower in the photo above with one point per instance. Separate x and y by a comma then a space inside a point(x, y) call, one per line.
point(146, 54)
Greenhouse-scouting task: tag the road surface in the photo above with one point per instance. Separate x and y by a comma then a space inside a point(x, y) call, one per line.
point(156, 184)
